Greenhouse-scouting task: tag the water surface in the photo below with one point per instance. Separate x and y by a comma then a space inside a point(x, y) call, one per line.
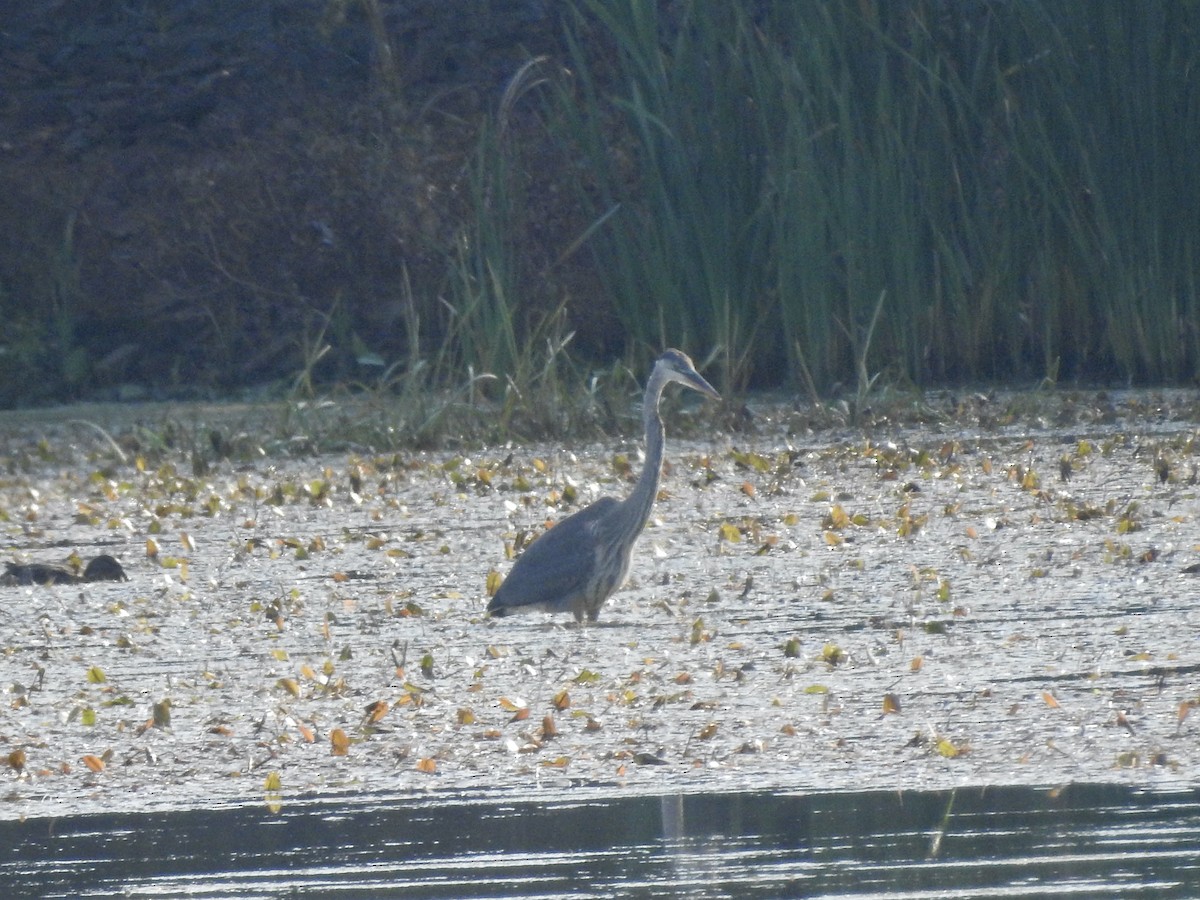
point(1092, 841)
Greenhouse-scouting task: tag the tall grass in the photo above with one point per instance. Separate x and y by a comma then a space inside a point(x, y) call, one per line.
point(1017, 180)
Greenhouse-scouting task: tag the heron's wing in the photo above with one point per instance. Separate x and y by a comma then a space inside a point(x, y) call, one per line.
point(558, 565)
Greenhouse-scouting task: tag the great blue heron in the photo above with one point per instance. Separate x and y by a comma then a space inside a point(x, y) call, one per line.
point(581, 560)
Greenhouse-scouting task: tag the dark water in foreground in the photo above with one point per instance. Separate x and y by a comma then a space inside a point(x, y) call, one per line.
point(1085, 841)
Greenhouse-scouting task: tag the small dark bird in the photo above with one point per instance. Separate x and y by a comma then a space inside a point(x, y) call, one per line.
point(579, 562)
point(102, 568)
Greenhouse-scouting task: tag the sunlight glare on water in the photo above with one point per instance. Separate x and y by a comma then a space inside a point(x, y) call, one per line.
point(1085, 840)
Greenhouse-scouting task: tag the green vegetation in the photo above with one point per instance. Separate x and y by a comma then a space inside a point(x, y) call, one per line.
point(830, 197)
point(1018, 179)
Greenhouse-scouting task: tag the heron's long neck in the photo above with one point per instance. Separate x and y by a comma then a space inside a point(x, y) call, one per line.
point(641, 500)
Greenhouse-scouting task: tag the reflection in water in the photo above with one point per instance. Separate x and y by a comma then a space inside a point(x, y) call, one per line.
point(1013, 842)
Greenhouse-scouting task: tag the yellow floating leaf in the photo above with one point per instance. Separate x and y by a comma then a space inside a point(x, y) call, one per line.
point(186, 540)
point(151, 547)
point(945, 747)
point(95, 675)
point(466, 716)
point(512, 705)
point(339, 742)
point(891, 704)
point(837, 518)
point(833, 539)
point(290, 685)
point(494, 580)
point(273, 782)
point(729, 532)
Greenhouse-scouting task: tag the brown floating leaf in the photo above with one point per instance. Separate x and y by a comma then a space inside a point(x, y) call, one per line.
point(1050, 699)
point(427, 765)
point(549, 729)
point(339, 743)
point(562, 700)
point(16, 760)
point(376, 711)
point(520, 715)
point(649, 759)
point(162, 713)
point(708, 731)
point(891, 704)
point(95, 763)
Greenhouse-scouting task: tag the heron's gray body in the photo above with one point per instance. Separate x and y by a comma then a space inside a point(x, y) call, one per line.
point(579, 562)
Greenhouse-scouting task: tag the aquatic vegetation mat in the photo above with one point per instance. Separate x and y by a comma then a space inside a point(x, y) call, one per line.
point(983, 599)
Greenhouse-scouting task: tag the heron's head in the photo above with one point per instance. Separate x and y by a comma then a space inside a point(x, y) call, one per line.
point(675, 365)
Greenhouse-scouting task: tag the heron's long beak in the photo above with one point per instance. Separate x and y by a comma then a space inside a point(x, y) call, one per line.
point(695, 380)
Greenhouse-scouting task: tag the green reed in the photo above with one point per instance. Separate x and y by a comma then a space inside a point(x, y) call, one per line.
point(1017, 180)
